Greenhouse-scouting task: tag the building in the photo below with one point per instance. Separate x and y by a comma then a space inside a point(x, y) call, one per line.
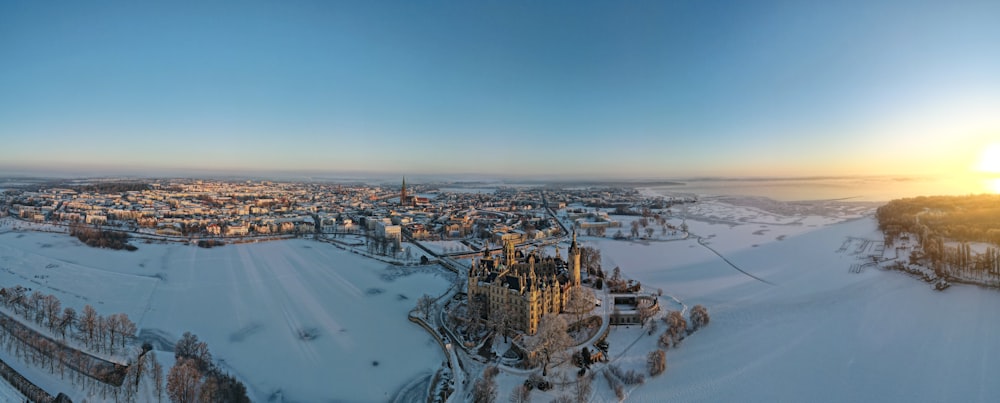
point(521, 289)
point(403, 201)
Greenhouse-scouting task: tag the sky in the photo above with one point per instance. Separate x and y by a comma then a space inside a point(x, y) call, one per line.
point(661, 89)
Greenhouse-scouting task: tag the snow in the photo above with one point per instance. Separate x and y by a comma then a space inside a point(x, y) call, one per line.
point(819, 334)
point(298, 319)
point(794, 325)
point(8, 393)
point(441, 247)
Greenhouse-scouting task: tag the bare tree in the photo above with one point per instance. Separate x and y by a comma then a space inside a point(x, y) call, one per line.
point(657, 362)
point(183, 381)
point(520, 394)
point(590, 259)
point(583, 387)
point(35, 306)
point(500, 321)
point(66, 322)
point(699, 317)
point(112, 325)
point(88, 322)
point(156, 371)
point(580, 301)
point(647, 311)
point(126, 328)
point(425, 305)
point(209, 390)
point(550, 340)
point(52, 308)
point(189, 347)
point(485, 389)
point(676, 327)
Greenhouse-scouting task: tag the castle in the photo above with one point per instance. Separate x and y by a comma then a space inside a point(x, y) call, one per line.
point(521, 289)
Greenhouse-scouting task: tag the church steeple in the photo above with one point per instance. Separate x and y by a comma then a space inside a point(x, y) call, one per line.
point(402, 194)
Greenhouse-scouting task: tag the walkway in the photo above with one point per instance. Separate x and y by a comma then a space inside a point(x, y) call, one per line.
point(701, 242)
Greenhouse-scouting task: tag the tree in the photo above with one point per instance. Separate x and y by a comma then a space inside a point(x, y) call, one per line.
point(52, 308)
point(583, 387)
point(520, 394)
point(676, 327)
point(35, 306)
point(657, 362)
point(649, 232)
point(156, 371)
point(580, 301)
point(68, 317)
point(499, 321)
point(590, 259)
point(485, 389)
point(699, 317)
point(551, 339)
point(425, 305)
point(112, 324)
point(646, 311)
point(189, 347)
point(88, 322)
point(126, 329)
point(183, 381)
point(209, 390)
point(635, 229)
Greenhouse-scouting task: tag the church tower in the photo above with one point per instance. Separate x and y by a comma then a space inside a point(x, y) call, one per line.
point(402, 194)
point(574, 262)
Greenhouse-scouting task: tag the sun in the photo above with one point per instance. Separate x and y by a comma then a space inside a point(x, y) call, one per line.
point(989, 162)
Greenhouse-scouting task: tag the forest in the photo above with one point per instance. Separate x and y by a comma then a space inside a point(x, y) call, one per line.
point(957, 218)
point(938, 221)
point(98, 238)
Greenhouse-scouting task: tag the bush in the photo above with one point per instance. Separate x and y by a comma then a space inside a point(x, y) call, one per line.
point(657, 361)
point(615, 384)
point(699, 317)
point(629, 378)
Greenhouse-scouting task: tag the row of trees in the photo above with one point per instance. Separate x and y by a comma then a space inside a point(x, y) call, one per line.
point(99, 333)
point(33, 349)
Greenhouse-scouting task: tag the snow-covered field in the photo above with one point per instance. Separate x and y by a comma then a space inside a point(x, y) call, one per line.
point(805, 329)
point(296, 320)
point(445, 246)
point(819, 333)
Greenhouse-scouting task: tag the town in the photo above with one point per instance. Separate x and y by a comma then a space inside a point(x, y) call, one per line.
point(526, 294)
point(192, 210)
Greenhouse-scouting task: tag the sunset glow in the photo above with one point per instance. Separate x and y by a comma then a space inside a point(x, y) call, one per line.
point(990, 160)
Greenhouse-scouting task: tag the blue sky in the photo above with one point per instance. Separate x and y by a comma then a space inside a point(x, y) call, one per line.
point(506, 88)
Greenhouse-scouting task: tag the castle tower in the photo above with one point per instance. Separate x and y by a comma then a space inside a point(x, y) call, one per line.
point(508, 250)
point(574, 262)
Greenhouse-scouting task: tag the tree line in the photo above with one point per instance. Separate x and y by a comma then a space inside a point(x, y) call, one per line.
point(962, 219)
point(99, 238)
